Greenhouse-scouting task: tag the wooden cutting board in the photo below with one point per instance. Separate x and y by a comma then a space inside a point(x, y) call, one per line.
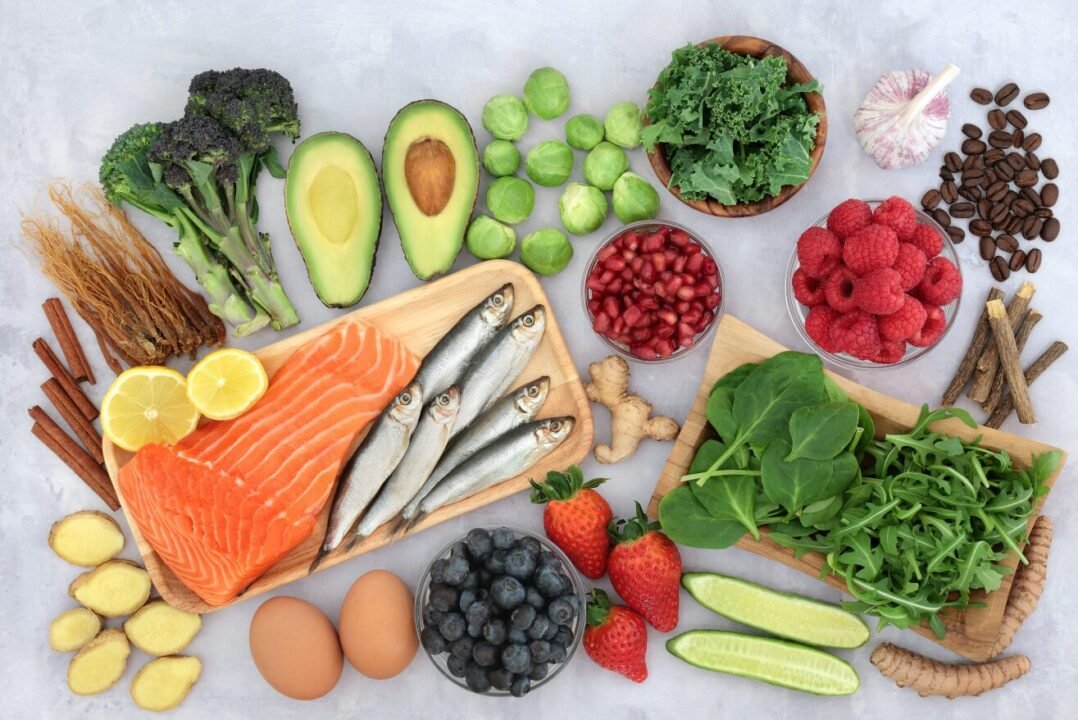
point(418, 318)
point(970, 633)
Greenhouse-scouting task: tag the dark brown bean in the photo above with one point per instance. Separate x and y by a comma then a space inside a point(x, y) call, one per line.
point(1050, 168)
point(987, 247)
point(998, 214)
point(970, 192)
point(1049, 194)
point(1026, 178)
point(1022, 207)
point(980, 227)
point(1043, 213)
point(1010, 197)
point(956, 234)
point(1018, 137)
point(949, 192)
point(1007, 243)
point(1016, 119)
point(1050, 229)
point(1006, 94)
point(1017, 261)
point(994, 156)
point(1032, 142)
point(952, 161)
point(962, 210)
point(1036, 101)
point(1031, 227)
point(999, 268)
point(973, 161)
point(940, 215)
point(1033, 162)
point(973, 147)
point(972, 176)
point(1033, 260)
point(981, 96)
point(930, 199)
point(1014, 225)
point(1030, 194)
point(983, 208)
point(997, 119)
point(971, 131)
point(946, 175)
point(996, 191)
point(999, 139)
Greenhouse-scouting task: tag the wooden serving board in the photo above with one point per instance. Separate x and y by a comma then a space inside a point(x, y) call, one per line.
point(418, 318)
point(970, 633)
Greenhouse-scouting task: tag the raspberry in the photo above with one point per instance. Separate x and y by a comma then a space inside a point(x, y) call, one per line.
point(905, 322)
point(849, 217)
point(818, 251)
point(870, 249)
point(935, 324)
point(838, 289)
point(856, 333)
point(818, 326)
point(879, 292)
point(928, 239)
point(897, 214)
point(807, 289)
point(942, 282)
point(891, 351)
point(910, 264)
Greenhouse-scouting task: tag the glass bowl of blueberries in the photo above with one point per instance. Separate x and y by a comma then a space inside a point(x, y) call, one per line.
point(500, 611)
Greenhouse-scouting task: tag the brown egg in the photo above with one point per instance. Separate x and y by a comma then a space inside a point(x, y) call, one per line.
point(377, 625)
point(295, 647)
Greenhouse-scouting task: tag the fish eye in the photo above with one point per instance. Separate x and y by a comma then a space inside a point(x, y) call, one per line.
point(533, 391)
point(497, 300)
point(406, 398)
point(555, 426)
point(443, 400)
point(528, 321)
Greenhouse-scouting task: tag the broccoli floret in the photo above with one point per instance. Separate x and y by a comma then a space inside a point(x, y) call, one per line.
point(252, 104)
point(181, 146)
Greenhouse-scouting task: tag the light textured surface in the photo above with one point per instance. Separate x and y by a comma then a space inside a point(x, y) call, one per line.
point(75, 74)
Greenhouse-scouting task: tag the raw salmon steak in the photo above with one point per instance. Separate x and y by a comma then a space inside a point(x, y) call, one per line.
point(234, 497)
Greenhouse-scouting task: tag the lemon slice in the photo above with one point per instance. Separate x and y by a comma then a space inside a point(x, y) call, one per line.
point(226, 383)
point(147, 405)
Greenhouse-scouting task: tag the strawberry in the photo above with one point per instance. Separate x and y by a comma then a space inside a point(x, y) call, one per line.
point(645, 569)
point(575, 518)
point(616, 637)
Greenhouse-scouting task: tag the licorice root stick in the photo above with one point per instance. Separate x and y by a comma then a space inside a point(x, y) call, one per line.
point(988, 363)
point(1034, 371)
point(1020, 338)
point(981, 337)
point(1007, 350)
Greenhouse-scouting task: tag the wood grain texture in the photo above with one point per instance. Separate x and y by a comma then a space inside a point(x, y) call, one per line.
point(796, 73)
point(418, 317)
point(971, 633)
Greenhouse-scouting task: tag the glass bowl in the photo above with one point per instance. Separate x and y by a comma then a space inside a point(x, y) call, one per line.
point(650, 226)
point(799, 312)
point(422, 596)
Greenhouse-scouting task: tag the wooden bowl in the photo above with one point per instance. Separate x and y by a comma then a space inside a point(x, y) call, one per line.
point(796, 73)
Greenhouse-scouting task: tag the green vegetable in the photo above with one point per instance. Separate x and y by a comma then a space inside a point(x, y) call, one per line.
point(687, 522)
point(546, 93)
point(820, 432)
point(634, 198)
point(604, 164)
point(582, 208)
point(510, 199)
point(549, 163)
point(623, 124)
point(501, 158)
point(546, 251)
point(584, 131)
point(730, 127)
point(488, 239)
point(505, 117)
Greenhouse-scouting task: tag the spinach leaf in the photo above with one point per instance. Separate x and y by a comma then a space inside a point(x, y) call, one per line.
point(764, 401)
point(720, 413)
point(832, 391)
point(730, 498)
point(868, 434)
point(817, 513)
point(793, 484)
point(686, 521)
point(820, 432)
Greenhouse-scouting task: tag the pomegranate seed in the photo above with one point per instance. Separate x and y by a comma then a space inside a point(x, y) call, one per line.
point(616, 263)
point(648, 303)
point(640, 334)
point(664, 348)
point(647, 272)
point(637, 264)
point(702, 289)
point(710, 268)
point(593, 306)
point(665, 331)
point(674, 284)
point(633, 242)
point(686, 292)
point(682, 306)
point(692, 316)
point(679, 263)
point(652, 342)
point(668, 316)
point(606, 277)
point(607, 251)
point(601, 323)
point(633, 315)
point(594, 284)
point(611, 306)
point(658, 261)
point(685, 330)
point(687, 342)
point(614, 286)
point(618, 325)
point(627, 274)
point(705, 321)
point(653, 242)
point(695, 263)
point(679, 238)
point(692, 249)
point(646, 287)
point(712, 301)
point(643, 352)
point(671, 254)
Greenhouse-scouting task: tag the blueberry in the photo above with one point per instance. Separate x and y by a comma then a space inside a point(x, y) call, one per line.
point(523, 617)
point(478, 612)
point(561, 611)
point(540, 650)
point(519, 563)
point(503, 538)
point(476, 678)
point(467, 597)
point(456, 570)
point(437, 570)
point(516, 635)
point(471, 580)
point(531, 545)
point(520, 686)
point(516, 658)
point(479, 543)
point(558, 653)
point(549, 559)
point(495, 562)
point(474, 630)
point(485, 654)
point(548, 581)
point(506, 592)
point(500, 679)
point(462, 648)
point(431, 615)
point(483, 577)
point(494, 632)
point(534, 598)
point(539, 671)
point(539, 627)
point(442, 597)
point(432, 640)
point(459, 549)
point(452, 626)
point(563, 637)
point(456, 665)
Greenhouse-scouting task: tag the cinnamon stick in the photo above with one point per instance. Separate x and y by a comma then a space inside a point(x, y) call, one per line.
point(1007, 350)
point(1034, 371)
point(981, 335)
point(56, 440)
point(63, 377)
point(988, 363)
point(1025, 329)
point(82, 427)
point(69, 341)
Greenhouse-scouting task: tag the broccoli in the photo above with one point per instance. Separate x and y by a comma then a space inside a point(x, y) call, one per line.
point(251, 104)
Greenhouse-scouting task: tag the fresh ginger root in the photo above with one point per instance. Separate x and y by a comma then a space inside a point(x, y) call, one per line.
point(118, 587)
point(73, 629)
point(160, 629)
point(932, 677)
point(630, 415)
point(99, 664)
point(163, 683)
point(86, 538)
point(1028, 584)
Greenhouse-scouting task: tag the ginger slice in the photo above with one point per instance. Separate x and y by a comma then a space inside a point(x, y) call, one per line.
point(73, 629)
point(1028, 584)
point(630, 415)
point(118, 587)
point(86, 538)
point(164, 683)
point(99, 664)
point(932, 677)
point(160, 629)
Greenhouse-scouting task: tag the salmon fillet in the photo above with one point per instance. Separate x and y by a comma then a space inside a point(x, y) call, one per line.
point(234, 497)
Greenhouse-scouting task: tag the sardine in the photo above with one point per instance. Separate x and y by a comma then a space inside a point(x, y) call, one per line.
point(428, 443)
point(495, 369)
point(512, 411)
point(450, 358)
point(514, 453)
point(372, 463)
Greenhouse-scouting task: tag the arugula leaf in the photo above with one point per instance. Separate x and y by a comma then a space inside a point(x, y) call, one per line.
point(820, 432)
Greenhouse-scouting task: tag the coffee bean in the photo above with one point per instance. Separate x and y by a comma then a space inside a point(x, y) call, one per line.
point(1031, 227)
point(987, 247)
point(997, 119)
point(962, 210)
point(1006, 94)
point(1030, 194)
point(973, 147)
point(930, 199)
point(983, 208)
point(1050, 168)
point(1014, 225)
point(1016, 119)
point(940, 215)
point(994, 156)
point(1036, 101)
point(973, 161)
point(1049, 194)
point(952, 161)
point(956, 234)
point(1017, 261)
point(970, 192)
point(972, 176)
point(999, 268)
point(946, 175)
point(1033, 260)
point(981, 96)
point(1018, 137)
point(980, 227)
point(1007, 243)
point(998, 214)
point(1009, 198)
point(1050, 229)
point(971, 131)
point(1026, 178)
point(1032, 161)
point(996, 191)
point(999, 139)
point(1032, 142)
point(1022, 207)
point(1016, 160)
point(1043, 213)
point(949, 192)
point(1004, 171)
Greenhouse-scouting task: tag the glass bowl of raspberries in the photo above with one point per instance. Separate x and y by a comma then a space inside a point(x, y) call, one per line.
point(874, 283)
point(652, 290)
point(500, 611)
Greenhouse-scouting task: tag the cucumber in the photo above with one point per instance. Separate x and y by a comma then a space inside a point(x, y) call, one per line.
point(784, 614)
point(778, 662)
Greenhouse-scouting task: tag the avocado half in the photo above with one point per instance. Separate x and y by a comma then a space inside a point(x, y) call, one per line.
point(334, 207)
point(430, 169)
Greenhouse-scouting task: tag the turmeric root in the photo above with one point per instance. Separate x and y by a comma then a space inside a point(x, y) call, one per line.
point(630, 415)
point(1028, 584)
point(932, 677)
point(86, 538)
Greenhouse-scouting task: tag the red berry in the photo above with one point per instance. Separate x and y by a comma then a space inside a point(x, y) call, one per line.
point(897, 214)
point(856, 333)
point(928, 239)
point(819, 251)
point(849, 217)
point(902, 324)
point(891, 351)
point(807, 289)
point(818, 326)
point(879, 292)
point(575, 518)
point(872, 248)
point(910, 263)
point(838, 289)
point(942, 282)
point(616, 637)
point(645, 569)
point(930, 332)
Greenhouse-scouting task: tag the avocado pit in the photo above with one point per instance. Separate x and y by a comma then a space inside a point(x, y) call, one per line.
point(430, 172)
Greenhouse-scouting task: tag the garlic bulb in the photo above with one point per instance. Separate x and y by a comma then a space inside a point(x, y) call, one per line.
point(904, 116)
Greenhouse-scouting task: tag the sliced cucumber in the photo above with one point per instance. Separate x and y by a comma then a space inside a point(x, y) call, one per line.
point(784, 614)
point(778, 662)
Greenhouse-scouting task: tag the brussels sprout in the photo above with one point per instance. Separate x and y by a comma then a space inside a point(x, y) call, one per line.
point(549, 163)
point(488, 239)
point(582, 208)
point(622, 125)
point(604, 165)
point(546, 94)
point(546, 251)
point(584, 131)
point(501, 157)
point(505, 117)
point(634, 198)
point(510, 199)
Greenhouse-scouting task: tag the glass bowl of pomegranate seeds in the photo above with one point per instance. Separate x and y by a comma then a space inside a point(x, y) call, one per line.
point(873, 284)
point(652, 290)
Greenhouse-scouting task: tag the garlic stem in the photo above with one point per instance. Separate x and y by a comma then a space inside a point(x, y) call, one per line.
point(931, 90)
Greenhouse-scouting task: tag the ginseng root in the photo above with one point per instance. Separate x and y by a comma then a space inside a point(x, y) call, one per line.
point(932, 677)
